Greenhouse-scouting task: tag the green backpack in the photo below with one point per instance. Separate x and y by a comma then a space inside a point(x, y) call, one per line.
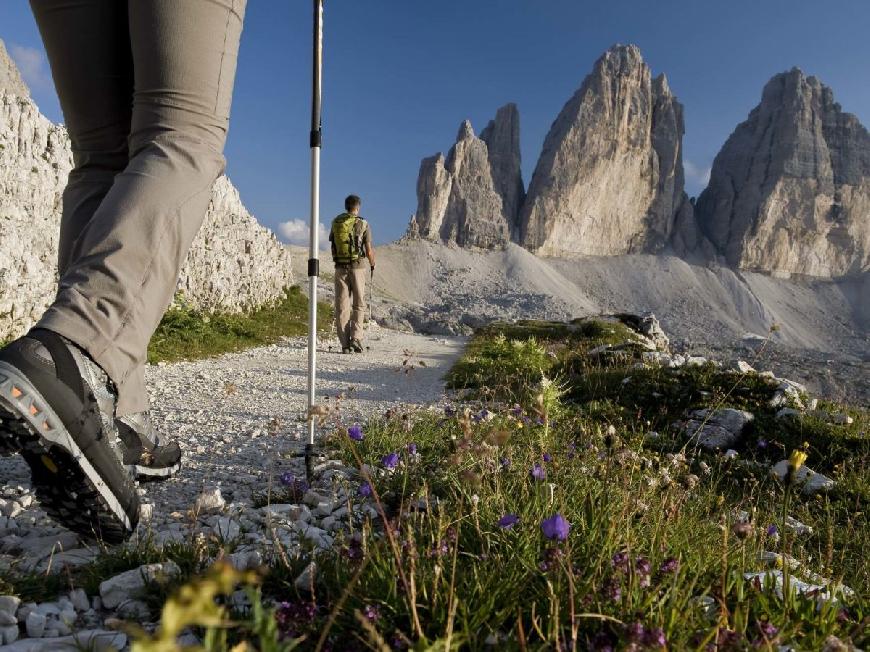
point(347, 236)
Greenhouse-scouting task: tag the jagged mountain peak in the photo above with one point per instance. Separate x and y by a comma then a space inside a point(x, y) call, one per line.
point(10, 77)
point(610, 177)
point(790, 190)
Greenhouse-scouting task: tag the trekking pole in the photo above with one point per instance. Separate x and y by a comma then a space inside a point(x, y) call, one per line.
point(371, 283)
point(314, 245)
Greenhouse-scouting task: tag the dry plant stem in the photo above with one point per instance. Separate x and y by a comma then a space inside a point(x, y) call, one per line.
point(521, 634)
point(451, 609)
point(339, 605)
point(394, 546)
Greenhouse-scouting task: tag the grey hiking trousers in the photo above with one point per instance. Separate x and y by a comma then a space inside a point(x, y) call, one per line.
point(145, 87)
point(350, 301)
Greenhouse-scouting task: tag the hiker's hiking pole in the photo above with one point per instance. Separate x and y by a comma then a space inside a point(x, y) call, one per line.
point(314, 245)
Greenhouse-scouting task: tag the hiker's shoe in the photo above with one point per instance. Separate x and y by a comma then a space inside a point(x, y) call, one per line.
point(151, 457)
point(57, 410)
point(356, 345)
point(347, 350)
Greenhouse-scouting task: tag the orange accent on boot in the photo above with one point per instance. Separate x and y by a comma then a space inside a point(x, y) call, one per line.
point(33, 411)
point(49, 463)
point(16, 393)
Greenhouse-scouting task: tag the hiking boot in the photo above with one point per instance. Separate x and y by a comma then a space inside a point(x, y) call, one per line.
point(357, 346)
point(347, 350)
point(151, 457)
point(57, 410)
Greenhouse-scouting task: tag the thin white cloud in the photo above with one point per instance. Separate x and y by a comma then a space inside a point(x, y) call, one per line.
point(697, 174)
point(296, 232)
point(32, 65)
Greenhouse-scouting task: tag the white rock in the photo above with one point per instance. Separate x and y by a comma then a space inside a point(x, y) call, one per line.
point(227, 528)
point(129, 584)
point(93, 640)
point(9, 634)
point(717, 429)
point(811, 481)
point(35, 624)
point(9, 605)
point(304, 581)
point(210, 500)
point(79, 600)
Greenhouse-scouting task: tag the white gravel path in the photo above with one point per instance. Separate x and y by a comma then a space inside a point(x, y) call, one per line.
point(238, 418)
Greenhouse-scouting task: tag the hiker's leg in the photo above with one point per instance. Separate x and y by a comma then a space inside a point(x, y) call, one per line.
point(88, 47)
point(342, 305)
point(113, 296)
point(358, 316)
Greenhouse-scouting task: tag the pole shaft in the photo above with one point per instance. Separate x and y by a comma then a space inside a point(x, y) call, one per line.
point(314, 244)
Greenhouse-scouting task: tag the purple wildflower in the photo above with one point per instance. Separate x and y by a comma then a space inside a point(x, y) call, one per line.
point(654, 637)
point(539, 421)
point(547, 457)
point(762, 443)
point(772, 530)
point(390, 461)
point(355, 432)
point(364, 490)
point(538, 472)
point(602, 643)
point(516, 410)
point(669, 565)
point(572, 450)
point(613, 591)
point(372, 612)
point(507, 521)
point(412, 448)
point(449, 411)
point(768, 631)
point(288, 479)
point(635, 631)
point(643, 568)
point(293, 618)
point(556, 527)
point(620, 561)
point(505, 463)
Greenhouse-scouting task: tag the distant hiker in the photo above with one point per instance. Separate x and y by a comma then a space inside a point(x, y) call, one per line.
point(354, 257)
point(145, 87)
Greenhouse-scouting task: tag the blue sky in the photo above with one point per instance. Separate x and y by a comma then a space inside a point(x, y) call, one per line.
point(401, 76)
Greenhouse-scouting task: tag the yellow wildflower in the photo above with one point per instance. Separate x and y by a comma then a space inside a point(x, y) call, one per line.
point(796, 460)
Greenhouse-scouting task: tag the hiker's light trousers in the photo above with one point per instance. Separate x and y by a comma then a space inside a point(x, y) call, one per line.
point(145, 87)
point(350, 302)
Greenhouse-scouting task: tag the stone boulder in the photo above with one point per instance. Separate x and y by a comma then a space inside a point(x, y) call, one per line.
point(610, 178)
point(717, 429)
point(790, 190)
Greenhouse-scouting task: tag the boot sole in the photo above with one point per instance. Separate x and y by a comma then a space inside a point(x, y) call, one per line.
point(68, 486)
point(150, 473)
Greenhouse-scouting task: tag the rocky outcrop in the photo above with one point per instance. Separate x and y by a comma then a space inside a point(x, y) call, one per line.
point(235, 264)
point(502, 138)
point(610, 178)
point(10, 78)
point(790, 190)
point(472, 197)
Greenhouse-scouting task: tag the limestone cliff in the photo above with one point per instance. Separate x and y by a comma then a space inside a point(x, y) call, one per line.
point(235, 263)
point(472, 197)
point(610, 178)
point(790, 190)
